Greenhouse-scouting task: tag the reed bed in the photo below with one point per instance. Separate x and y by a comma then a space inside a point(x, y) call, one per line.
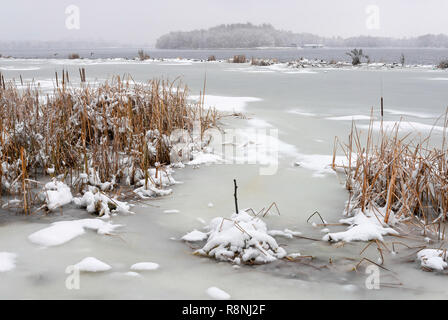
point(402, 177)
point(113, 132)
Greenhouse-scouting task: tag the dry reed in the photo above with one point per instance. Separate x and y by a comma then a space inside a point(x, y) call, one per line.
point(117, 129)
point(406, 177)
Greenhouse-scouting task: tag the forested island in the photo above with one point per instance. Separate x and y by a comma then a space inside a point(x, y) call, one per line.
point(248, 35)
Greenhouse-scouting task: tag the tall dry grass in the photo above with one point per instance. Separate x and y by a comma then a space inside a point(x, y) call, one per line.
point(405, 174)
point(118, 129)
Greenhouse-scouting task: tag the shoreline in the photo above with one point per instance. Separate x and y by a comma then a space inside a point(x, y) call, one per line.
point(260, 63)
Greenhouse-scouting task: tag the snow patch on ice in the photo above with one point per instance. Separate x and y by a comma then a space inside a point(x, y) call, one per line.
point(91, 264)
point(7, 261)
point(362, 227)
point(63, 231)
point(226, 104)
point(145, 266)
point(217, 294)
point(349, 118)
point(194, 236)
point(403, 126)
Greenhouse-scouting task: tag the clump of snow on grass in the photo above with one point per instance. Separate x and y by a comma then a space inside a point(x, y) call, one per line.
point(145, 266)
point(240, 239)
point(364, 226)
point(217, 294)
point(194, 236)
point(155, 185)
point(433, 259)
point(7, 261)
point(96, 202)
point(56, 194)
point(63, 231)
point(91, 264)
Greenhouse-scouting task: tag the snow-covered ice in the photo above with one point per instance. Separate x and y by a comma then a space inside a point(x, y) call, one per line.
point(362, 227)
point(63, 231)
point(145, 266)
point(7, 261)
point(217, 294)
point(91, 264)
point(194, 236)
point(227, 104)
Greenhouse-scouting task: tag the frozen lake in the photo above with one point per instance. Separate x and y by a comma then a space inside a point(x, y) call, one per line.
point(309, 108)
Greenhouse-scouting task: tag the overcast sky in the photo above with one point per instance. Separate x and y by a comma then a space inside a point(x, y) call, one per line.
point(143, 21)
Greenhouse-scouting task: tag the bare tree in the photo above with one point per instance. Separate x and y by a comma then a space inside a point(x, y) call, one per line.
point(357, 55)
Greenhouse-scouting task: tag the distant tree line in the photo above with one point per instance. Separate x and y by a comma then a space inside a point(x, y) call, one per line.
point(247, 35)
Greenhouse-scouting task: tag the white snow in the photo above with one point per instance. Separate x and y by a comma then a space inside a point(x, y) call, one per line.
point(433, 259)
point(349, 118)
point(7, 261)
point(286, 233)
point(91, 264)
point(363, 227)
point(422, 115)
point(95, 201)
point(321, 164)
point(195, 235)
point(301, 112)
point(63, 231)
point(227, 104)
point(241, 239)
point(201, 158)
point(145, 266)
point(57, 194)
point(403, 126)
point(217, 294)
point(171, 211)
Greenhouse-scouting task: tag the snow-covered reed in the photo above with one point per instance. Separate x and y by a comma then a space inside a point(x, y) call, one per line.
point(399, 178)
point(92, 138)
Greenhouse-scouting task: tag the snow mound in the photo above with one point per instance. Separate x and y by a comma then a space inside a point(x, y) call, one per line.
point(145, 266)
point(195, 235)
point(363, 227)
point(91, 264)
point(7, 261)
point(63, 231)
point(240, 239)
point(217, 294)
point(433, 259)
point(56, 194)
